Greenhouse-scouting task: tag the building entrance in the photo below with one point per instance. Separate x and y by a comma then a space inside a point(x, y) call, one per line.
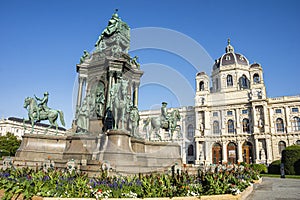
point(217, 153)
point(247, 152)
point(232, 153)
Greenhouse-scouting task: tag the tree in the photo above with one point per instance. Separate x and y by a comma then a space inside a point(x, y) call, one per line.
point(9, 144)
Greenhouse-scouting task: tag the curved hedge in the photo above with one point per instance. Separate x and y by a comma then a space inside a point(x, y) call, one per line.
point(291, 159)
point(274, 167)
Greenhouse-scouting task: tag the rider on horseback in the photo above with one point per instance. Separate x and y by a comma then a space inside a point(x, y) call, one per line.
point(42, 105)
point(165, 116)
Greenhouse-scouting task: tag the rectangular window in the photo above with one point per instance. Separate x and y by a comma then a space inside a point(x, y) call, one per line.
point(295, 110)
point(215, 114)
point(229, 112)
point(278, 111)
point(244, 111)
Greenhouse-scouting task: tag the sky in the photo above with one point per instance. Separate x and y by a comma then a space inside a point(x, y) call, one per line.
point(42, 41)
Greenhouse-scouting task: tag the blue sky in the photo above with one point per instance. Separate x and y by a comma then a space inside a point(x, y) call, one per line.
point(42, 41)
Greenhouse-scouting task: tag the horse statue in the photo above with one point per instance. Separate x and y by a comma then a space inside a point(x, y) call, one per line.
point(120, 103)
point(50, 114)
point(157, 123)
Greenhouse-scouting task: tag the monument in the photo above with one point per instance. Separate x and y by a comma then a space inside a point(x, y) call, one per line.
point(105, 128)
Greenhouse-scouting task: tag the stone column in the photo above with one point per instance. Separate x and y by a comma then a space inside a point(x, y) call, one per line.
point(79, 95)
point(136, 94)
point(287, 121)
point(222, 123)
point(271, 123)
point(207, 126)
point(208, 159)
point(237, 119)
point(197, 130)
point(197, 153)
point(108, 89)
point(268, 150)
point(266, 121)
point(254, 122)
point(240, 151)
point(224, 152)
point(256, 149)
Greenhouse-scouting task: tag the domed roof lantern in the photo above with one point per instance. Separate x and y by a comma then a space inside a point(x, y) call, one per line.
point(229, 48)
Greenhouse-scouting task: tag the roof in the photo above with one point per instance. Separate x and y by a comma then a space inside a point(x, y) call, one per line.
point(231, 58)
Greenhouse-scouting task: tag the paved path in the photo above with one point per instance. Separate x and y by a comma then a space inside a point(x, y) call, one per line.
point(276, 189)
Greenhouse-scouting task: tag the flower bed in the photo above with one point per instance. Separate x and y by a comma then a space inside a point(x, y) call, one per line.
point(64, 184)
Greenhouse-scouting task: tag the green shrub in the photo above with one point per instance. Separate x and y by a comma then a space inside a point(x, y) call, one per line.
point(260, 168)
point(9, 144)
point(297, 166)
point(274, 167)
point(289, 158)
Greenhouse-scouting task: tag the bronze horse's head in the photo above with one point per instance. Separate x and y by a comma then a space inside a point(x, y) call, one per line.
point(26, 102)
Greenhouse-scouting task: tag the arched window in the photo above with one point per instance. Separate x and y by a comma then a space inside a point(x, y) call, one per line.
point(191, 150)
point(279, 125)
point(230, 126)
point(296, 124)
point(256, 78)
point(281, 146)
point(191, 131)
point(246, 128)
point(201, 86)
point(244, 82)
point(229, 80)
point(216, 128)
point(298, 142)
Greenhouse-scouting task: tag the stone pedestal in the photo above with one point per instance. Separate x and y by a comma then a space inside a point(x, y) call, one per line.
point(36, 147)
point(123, 153)
point(118, 151)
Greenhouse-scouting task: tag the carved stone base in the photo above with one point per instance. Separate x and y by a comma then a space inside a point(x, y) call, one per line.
point(123, 153)
point(58, 147)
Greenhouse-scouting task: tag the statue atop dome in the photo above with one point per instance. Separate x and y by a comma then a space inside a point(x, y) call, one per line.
point(229, 48)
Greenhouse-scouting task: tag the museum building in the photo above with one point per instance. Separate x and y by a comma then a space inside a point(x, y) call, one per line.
point(233, 120)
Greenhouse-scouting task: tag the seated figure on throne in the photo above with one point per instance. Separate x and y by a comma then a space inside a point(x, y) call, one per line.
point(111, 27)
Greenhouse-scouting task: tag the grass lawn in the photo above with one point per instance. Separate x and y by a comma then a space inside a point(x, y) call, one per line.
point(278, 176)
